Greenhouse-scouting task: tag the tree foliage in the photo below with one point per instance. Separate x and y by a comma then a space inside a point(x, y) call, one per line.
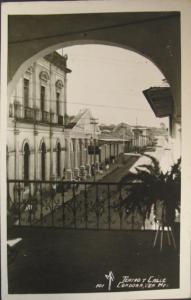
point(149, 186)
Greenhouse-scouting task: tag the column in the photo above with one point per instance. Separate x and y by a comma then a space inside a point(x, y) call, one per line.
point(88, 166)
point(176, 140)
point(38, 166)
point(52, 174)
point(96, 156)
point(35, 155)
point(82, 152)
point(16, 150)
point(76, 149)
point(83, 172)
point(62, 161)
point(68, 160)
point(54, 162)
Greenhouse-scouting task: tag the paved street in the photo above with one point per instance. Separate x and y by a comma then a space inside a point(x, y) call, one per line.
point(89, 209)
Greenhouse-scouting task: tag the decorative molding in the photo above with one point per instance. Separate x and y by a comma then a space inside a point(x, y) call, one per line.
point(44, 76)
point(29, 70)
point(59, 84)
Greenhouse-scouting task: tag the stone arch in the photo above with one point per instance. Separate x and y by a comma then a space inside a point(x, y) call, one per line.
point(58, 158)
point(143, 32)
point(43, 160)
point(26, 161)
point(44, 76)
point(40, 144)
point(24, 66)
point(59, 84)
point(25, 141)
point(58, 141)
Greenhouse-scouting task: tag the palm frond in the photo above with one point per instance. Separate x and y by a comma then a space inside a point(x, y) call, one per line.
point(155, 163)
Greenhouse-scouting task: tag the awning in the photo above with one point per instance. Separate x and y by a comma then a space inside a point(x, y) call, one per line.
point(160, 100)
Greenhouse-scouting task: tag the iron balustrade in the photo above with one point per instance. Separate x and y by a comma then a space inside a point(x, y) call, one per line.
point(46, 116)
point(34, 114)
point(70, 205)
point(60, 120)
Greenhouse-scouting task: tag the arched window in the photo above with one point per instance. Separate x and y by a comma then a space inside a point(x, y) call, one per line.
point(42, 98)
point(58, 103)
point(58, 159)
point(43, 161)
point(26, 161)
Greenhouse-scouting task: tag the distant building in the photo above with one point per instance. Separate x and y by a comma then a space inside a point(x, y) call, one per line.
point(80, 134)
point(141, 138)
point(124, 131)
point(111, 147)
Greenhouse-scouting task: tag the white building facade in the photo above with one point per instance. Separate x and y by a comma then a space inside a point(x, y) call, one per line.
point(43, 142)
point(36, 147)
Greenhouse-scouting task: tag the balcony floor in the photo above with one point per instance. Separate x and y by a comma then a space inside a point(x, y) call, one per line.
point(49, 260)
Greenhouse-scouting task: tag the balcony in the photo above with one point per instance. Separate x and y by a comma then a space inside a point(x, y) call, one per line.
point(60, 120)
point(29, 113)
point(33, 115)
point(45, 213)
point(83, 205)
point(45, 116)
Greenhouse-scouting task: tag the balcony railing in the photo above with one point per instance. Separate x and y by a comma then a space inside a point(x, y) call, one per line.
point(60, 120)
point(46, 116)
point(34, 115)
point(71, 205)
point(29, 113)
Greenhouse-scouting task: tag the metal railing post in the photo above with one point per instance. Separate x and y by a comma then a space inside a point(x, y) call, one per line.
point(109, 207)
point(86, 207)
point(63, 206)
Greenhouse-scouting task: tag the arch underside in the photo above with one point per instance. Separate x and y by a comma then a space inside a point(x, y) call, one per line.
point(156, 36)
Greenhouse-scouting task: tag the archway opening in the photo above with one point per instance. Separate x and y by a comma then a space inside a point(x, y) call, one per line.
point(58, 160)
point(26, 162)
point(43, 161)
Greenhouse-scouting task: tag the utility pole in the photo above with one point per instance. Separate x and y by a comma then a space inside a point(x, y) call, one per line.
point(93, 122)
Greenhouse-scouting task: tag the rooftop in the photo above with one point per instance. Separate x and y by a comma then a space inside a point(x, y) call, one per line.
point(58, 60)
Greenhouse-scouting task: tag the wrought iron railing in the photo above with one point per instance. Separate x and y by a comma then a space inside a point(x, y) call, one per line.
point(60, 120)
point(31, 114)
point(70, 205)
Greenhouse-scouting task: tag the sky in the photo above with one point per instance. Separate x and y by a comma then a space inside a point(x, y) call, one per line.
point(109, 81)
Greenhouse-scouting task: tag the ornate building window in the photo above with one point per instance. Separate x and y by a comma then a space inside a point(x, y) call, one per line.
point(44, 77)
point(43, 161)
point(59, 85)
point(42, 98)
point(26, 92)
point(58, 159)
point(26, 162)
point(58, 103)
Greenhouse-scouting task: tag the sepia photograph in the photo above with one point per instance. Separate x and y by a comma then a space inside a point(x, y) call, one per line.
point(93, 154)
